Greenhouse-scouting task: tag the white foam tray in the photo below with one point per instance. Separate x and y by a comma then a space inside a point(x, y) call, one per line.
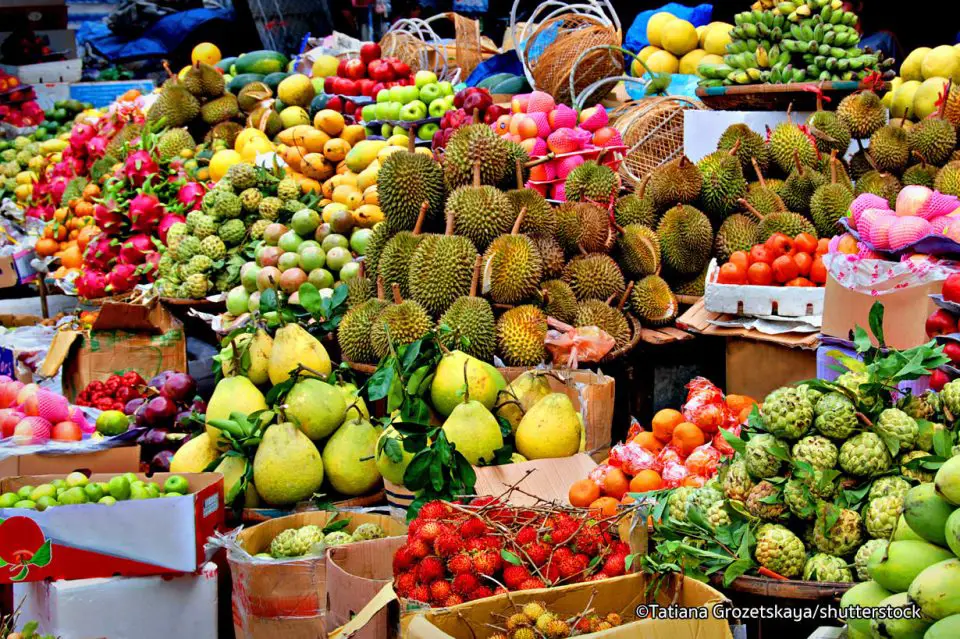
point(782, 301)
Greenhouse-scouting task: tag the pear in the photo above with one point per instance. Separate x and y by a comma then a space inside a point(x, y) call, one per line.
point(257, 347)
point(233, 467)
point(293, 346)
point(349, 457)
point(287, 467)
point(317, 407)
point(521, 395)
point(195, 455)
point(356, 407)
point(474, 431)
point(390, 469)
point(227, 357)
point(448, 386)
point(232, 395)
point(550, 429)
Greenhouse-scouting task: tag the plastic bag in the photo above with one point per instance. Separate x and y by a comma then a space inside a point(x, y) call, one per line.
point(878, 277)
point(599, 474)
point(705, 406)
point(584, 344)
point(720, 442)
point(703, 461)
point(631, 458)
point(673, 474)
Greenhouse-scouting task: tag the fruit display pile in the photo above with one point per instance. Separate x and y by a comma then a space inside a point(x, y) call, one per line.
point(425, 97)
point(780, 261)
point(76, 489)
point(466, 102)
point(462, 552)
point(676, 46)
point(924, 74)
point(312, 540)
point(801, 41)
point(536, 617)
point(31, 415)
point(681, 448)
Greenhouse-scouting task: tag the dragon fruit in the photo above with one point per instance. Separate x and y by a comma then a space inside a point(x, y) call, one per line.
point(92, 284)
point(134, 250)
point(57, 187)
point(107, 218)
point(97, 146)
point(150, 265)
point(80, 135)
point(139, 166)
point(122, 278)
point(145, 212)
point(190, 195)
point(101, 252)
point(168, 220)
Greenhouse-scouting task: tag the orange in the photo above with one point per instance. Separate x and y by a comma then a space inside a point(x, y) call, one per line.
point(606, 505)
point(583, 492)
point(648, 441)
point(46, 246)
point(737, 403)
point(627, 500)
point(686, 437)
point(693, 481)
point(615, 484)
point(664, 422)
point(745, 414)
point(646, 480)
point(71, 257)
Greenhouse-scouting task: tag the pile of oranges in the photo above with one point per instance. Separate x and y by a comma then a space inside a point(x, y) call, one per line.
point(780, 261)
point(681, 448)
point(66, 235)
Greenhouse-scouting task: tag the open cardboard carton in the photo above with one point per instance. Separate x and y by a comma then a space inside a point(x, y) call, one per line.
point(120, 459)
point(288, 598)
point(621, 595)
point(145, 338)
point(130, 538)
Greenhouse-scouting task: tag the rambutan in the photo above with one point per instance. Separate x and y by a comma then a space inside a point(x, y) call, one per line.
point(499, 590)
point(447, 545)
point(402, 559)
point(475, 544)
point(405, 583)
point(429, 531)
point(465, 583)
point(483, 500)
point(526, 535)
point(481, 593)
point(614, 566)
point(513, 576)
point(420, 593)
point(568, 567)
point(620, 548)
point(588, 540)
point(487, 562)
point(418, 548)
point(452, 600)
point(433, 510)
point(473, 527)
point(533, 583)
point(460, 564)
point(430, 569)
point(492, 542)
point(538, 553)
point(440, 590)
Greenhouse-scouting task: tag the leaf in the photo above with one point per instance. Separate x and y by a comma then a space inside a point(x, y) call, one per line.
point(735, 570)
point(416, 377)
point(20, 576)
point(876, 323)
point(942, 443)
point(310, 298)
point(410, 355)
point(43, 555)
point(268, 301)
point(393, 449)
point(628, 562)
point(395, 395)
point(379, 384)
point(417, 474)
point(436, 473)
point(510, 558)
point(735, 442)
point(336, 525)
point(280, 390)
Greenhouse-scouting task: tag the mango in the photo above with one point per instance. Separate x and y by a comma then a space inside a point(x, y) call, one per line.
point(952, 531)
point(897, 566)
point(947, 480)
point(926, 513)
point(869, 594)
point(362, 154)
point(911, 626)
point(937, 589)
point(946, 628)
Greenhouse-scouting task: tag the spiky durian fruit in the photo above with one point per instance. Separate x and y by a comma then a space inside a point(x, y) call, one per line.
point(592, 182)
point(480, 213)
point(558, 300)
point(800, 185)
point(581, 225)
point(723, 183)
point(932, 138)
point(353, 334)
point(606, 318)
point(552, 257)
point(829, 203)
point(752, 146)
point(885, 185)
point(863, 113)
point(441, 269)
point(540, 219)
point(475, 144)
point(675, 182)
point(471, 317)
point(639, 249)
point(635, 208)
point(737, 233)
point(405, 181)
point(788, 142)
point(889, 148)
point(686, 238)
point(520, 336)
point(594, 276)
point(401, 323)
point(512, 267)
point(829, 132)
point(653, 301)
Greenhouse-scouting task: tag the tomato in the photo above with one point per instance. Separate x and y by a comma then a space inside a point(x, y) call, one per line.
point(803, 261)
point(761, 253)
point(799, 281)
point(741, 259)
point(779, 244)
point(760, 274)
point(806, 243)
point(731, 274)
point(785, 269)
point(818, 271)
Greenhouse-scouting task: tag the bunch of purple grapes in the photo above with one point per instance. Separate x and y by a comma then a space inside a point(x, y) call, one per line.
point(170, 411)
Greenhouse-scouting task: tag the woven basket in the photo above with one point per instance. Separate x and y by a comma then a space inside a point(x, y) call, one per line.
point(652, 129)
point(416, 42)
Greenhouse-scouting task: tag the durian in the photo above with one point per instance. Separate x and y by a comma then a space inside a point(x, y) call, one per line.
point(512, 267)
point(673, 182)
point(762, 197)
point(175, 106)
point(540, 220)
point(693, 287)
point(788, 142)
point(829, 203)
point(829, 132)
point(639, 250)
point(592, 182)
point(405, 181)
point(552, 257)
point(173, 141)
point(475, 144)
point(863, 113)
point(653, 301)
point(737, 233)
point(558, 300)
point(471, 318)
point(885, 185)
point(520, 336)
point(636, 208)
point(400, 323)
point(605, 317)
point(889, 148)
point(753, 148)
point(800, 185)
point(480, 213)
point(583, 225)
point(723, 183)
point(441, 268)
point(219, 110)
point(203, 81)
point(922, 174)
point(787, 222)
point(686, 239)
point(594, 276)
point(353, 333)
point(948, 179)
point(933, 138)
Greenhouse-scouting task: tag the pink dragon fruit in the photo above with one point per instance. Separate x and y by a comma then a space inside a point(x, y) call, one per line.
point(57, 187)
point(134, 250)
point(139, 166)
point(97, 146)
point(150, 265)
point(92, 284)
point(80, 135)
point(107, 218)
point(191, 195)
point(101, 252)
point(145, 212)
point(168, 220)
point(122, 278)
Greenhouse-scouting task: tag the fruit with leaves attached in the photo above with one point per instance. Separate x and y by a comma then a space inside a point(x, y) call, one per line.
point(317, 407)
point(349, 457)
point(232, 394)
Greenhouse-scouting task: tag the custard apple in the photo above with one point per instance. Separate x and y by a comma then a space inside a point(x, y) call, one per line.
point(765, 502)
point(677, 502)
point(257, 229)
point(818, 451)
point(250, 200)
point(164, 287)
point(925, 406)
point(208, 202)
point(813, 395)
point(852, 381)
point(270, 207)
point(824, 567)
point(290, 207)
point(799, 500)
point(863, 555)
point(282, 545)
point(864, 455)
point(176, 232)
point(232, 232)
point(204, 226)
point(787, 413)
point(841, 538)
point(736, 481)
point(337, 538)
point(365, 532)
point(896, 424)
point(889, 485)
point(213, 248)
point(307, 537)
point(881, 514)
point(242, 176)
point(288, 189)
point(950, 397)
point(224, 185)
point(836, 416)
point(718, 516)
point(187, 248)
point(704, 497)
point(228, 206)
point(196, 286)
point(927, 431)
point(779, 550)
point(764, 454)
point(921, 475)
point(198, 264)
point(166, 265)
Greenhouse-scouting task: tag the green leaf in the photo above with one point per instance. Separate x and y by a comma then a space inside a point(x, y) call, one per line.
point(416, 377)
point(410, 355)
point(393, 449)
point(876, 323)
point(280, 390)
point(735, 442)
point(43, 555)
point(379, 384)
point(942, 443)
point(417, 474)
point(735, 570)
point(436, 473)
point(510, 558)
point(334, 526)
point(268, 301)
point(310, 298)
point(395, 395)
point(20, 576)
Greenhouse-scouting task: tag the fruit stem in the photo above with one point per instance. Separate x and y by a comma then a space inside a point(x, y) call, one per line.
point(796, 161)
point(643, 183)
point(476, 116)
point(381, 295)
point(610, 299)
point(411, 142)
point(750, 209)
point(819, 95)
point(166, 67)
point(466, 382)
point(476, 173)
point(397, 298)
point(946, 98)
point(540, 160)
point(557, 324)
point(790, 113)
point(450, 224)
point(756, 169)
point(361, 271)
point(833, 167)
point(475, 281)
point(625, 296)
point(519, 221)
point(418, 227)
point(519, 169)
point(582, 250)
point(736, 147)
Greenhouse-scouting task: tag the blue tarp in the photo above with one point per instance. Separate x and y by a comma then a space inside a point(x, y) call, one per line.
point(159, 40)
point(501, 63)
point(637, 33)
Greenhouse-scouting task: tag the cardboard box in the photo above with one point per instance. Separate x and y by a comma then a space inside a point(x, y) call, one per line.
point(145, 338)
point(355, 574)
point(122, 607)
point(288, 599)
point(15, 269)
point(620, 594)
point(904, 310)
point(130, 538)
point(756, 368)
point(122, 459)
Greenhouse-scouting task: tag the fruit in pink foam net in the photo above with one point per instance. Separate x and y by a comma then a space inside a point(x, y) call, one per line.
point(907, 230)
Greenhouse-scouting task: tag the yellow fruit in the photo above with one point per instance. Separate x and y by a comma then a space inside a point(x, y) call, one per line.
point(232, 394)
point(348, 195)
point(655, 26)
point(926, 96)
point(550, 429)
point(901, 104)
point(646, 51)
point(663, 62)
point(221, 161)
point(392, 470)
point(892, 86)
point(368, 177)
point(329, 121)
point(941, 62)
point(255, 146)
point(245, 136)
point(294, 346)
point(679, 37)
point(195, 455)
point(336, 149)
point(324, 66)
point(717, 38)
point(327, 212)
point(207, 53)
point(367, 215)
point(911, 67)
point(711, 58)
point(689, 62)
point(296, 90)
point(353, 133)
point(287, 466)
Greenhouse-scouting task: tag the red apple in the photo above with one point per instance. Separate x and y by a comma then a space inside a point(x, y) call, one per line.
point(335, 103)
point(355, 69)
point(365, 86)
point(938, 379)
point(328, 83)
point(369, 51)
point(378, 87)
point(952, 350)
point(66, 432)
point(345, 86)
point(400, 68)
point(951, 288)
point(380, 70)
point(342, 69)
point(941, 322)
point(349, 106)
point(9, 418)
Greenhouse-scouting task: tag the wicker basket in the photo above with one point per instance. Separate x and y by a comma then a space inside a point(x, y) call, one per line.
point(652, 129)
point(416, 42)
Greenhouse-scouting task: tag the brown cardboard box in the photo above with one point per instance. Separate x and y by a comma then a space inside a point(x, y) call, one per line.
point(121, 459)
point(904, 311)
point(288, 599)
point(146, 338)
point(355, 574)
point(755, 368)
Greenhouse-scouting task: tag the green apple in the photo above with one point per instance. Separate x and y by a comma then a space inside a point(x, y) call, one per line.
point(24, 492)
point(396, 94)
point(153, 489)
point(408, 93)
point(368, 113)
point(139, 492)
point(26, 503)
point(389, 110)
point(312, 257)
point(119, 488)
point(424, 77)
point(426, 131)
point(76, 479)
point(359, 240)
point(176, 484)
point(383, 96)
point(131, 477)
point(238, 300)
point(430, 92)
point(43, 490)
point(107, 500)
point(73, 496)
point(47, 502)
point(7, 500)
point(386, 130)
point(437, 108)
point(446, 88)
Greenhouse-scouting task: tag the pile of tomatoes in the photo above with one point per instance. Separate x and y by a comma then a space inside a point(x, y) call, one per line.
point(780, 261)
point(66, 235)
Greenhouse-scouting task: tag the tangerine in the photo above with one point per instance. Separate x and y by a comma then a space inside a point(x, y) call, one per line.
point(737, 403)
point(648, 441)
point(607, 506)
point(686, 437)
point(805, 243)
point(583, 492)
point(760, 274)
point(741, 259)
point(616, 484)
point(646, 480)
point(664, 422)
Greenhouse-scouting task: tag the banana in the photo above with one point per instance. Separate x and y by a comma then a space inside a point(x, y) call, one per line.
point(763, 59)
point(754, 73)
point(818, 33)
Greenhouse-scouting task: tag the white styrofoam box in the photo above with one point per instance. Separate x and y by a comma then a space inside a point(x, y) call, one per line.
point(124, 607)
point(783, 301)
point(63, 71)
point(702, 129)
point(49, 93)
